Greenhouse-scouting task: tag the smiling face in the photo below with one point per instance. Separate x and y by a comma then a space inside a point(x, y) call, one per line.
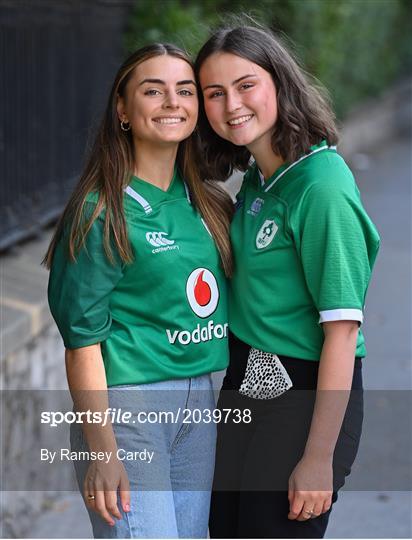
point(239, 99)
point(160, 101)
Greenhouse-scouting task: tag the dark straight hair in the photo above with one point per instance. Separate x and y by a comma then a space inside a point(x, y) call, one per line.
point(109, 168)
point(304, 113)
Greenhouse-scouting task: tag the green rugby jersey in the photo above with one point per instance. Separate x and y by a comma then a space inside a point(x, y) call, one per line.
point(162, 317)
point(304, 250)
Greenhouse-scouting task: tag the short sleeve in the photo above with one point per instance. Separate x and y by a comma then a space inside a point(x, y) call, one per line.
point(79, 292)
point(338, 244)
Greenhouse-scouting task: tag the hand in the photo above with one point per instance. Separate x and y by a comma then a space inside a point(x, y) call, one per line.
point(310, 488)
point(102, 482)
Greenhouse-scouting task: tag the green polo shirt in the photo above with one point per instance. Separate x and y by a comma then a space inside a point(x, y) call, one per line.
point(164, 316)
point(304, 250)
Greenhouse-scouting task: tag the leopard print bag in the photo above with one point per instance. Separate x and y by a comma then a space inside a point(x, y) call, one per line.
point(265, 376)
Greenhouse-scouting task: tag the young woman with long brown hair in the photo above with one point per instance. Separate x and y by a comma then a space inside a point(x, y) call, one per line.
point(304, 249)
point(137, 288)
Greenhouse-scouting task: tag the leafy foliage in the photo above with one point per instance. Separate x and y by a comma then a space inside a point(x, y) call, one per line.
point(354, 47)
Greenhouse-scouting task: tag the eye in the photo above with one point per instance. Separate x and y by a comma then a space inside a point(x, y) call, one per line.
point(246, 86)
point(152, 92)
point(216, 94)
point(185, 92)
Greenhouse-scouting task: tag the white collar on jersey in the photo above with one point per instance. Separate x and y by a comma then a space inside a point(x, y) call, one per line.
point(138, 198)
point(144, 203)
point(269, 186)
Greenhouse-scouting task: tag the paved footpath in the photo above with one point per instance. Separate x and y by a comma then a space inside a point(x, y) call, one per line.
point(377, 502)
point(385, 451)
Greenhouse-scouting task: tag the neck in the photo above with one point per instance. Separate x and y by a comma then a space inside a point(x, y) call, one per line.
point(155, 164)
point(267, 161)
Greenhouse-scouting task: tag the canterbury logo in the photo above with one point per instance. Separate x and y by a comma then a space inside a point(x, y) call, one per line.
point(157, 239)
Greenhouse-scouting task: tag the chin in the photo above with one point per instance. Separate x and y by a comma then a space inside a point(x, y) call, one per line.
point(240, 141)
point(173, 140)
point(178, 137)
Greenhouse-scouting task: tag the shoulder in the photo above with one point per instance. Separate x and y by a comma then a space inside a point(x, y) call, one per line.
point(326, 176)
point(130, 207)
point(327, 167)
point(323, 190)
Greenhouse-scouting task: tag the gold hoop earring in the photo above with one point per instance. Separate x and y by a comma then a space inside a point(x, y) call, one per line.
point(125, 126)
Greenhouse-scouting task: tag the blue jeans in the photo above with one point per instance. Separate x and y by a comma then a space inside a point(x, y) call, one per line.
point(170, 496)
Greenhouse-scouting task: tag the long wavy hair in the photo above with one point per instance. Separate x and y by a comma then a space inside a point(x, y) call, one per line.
point(304, 113)
point(108, 170)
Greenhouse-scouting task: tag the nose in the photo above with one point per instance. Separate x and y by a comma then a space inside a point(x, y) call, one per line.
point(233, 103)
point(171, 100)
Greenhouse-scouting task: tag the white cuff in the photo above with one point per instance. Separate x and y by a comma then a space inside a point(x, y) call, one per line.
point(341, 315)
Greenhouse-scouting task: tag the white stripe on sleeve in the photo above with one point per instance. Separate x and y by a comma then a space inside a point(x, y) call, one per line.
point(341, 315)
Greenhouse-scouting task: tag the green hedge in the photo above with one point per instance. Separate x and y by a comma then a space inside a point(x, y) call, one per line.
point(356, 48)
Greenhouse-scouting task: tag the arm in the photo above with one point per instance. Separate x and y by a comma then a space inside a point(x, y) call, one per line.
point(337, 244)
point(311, 483)
point(87, 382)
point(79, 295)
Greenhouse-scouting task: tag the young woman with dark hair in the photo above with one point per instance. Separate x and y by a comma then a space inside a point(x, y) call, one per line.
point(304, 249)
point(137, 288)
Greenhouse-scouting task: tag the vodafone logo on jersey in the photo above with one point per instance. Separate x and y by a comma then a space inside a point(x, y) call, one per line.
point(202, 292)
point(203, 296)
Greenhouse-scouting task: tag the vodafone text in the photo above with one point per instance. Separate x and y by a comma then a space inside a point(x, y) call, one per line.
point(205, 333)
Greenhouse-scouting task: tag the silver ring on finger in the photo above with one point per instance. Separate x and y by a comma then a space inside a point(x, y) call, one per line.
point(91, 497)
point(308, 512)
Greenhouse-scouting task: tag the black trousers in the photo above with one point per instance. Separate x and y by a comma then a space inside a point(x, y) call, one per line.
point(255, 459)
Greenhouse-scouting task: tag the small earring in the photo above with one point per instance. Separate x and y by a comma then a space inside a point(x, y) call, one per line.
point(124, 126)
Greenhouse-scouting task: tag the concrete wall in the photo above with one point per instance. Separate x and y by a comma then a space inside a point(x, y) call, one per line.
point(31, 364)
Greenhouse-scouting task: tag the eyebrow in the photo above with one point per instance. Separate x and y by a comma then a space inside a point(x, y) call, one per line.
point(159, 81)
point(234, 82)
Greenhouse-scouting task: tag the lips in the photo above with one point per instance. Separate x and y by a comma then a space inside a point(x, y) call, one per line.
point(169, 120)
point(240, 120)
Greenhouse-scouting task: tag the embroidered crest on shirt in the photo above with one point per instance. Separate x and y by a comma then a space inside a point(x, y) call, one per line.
point(266, 234)
point(256, 206)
